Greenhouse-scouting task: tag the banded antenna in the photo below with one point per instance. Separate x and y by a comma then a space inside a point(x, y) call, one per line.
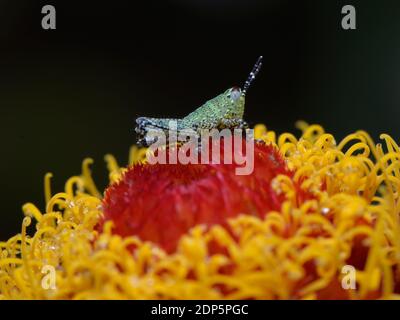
point(252, 75)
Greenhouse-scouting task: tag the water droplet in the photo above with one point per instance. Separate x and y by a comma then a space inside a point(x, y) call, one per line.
point(325, 210)
point(70, 203)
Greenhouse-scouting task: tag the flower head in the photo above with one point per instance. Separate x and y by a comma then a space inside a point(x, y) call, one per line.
point(162, 202)
point(313, 211)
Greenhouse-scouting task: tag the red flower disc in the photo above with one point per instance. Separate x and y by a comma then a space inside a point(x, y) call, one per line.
point(161, 202)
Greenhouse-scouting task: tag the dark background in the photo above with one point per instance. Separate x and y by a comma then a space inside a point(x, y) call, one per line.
point(75, 91)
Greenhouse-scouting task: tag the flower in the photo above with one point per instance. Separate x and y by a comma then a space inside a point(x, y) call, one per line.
point(162, 202)
point(313, 214)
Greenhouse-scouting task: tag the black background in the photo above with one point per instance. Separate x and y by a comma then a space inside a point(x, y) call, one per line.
point(75, 91)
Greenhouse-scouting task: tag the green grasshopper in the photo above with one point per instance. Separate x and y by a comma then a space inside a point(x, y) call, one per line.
point(225, 111)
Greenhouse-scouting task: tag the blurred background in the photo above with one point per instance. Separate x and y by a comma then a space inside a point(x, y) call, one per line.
point(74, 92)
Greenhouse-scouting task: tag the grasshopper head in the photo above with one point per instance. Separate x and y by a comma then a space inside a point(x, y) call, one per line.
point(235, 99)
point(235, 96)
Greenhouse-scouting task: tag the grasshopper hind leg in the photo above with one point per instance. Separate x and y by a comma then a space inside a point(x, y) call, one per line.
point(147, 128)
point(143, 122)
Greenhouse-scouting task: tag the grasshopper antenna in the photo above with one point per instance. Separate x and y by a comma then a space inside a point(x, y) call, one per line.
point(252, 75)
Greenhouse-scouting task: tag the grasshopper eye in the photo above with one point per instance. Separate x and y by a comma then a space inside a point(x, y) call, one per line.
point(235, 93)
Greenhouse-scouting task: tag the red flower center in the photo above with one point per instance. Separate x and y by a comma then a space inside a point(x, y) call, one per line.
point(161, 202)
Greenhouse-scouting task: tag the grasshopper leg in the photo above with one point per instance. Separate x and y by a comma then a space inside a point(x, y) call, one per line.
point(233, 124)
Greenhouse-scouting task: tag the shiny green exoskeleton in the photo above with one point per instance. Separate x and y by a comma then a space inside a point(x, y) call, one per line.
point(224, 111)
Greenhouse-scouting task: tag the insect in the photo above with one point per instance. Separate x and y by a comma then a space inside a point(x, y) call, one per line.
point(225, 111)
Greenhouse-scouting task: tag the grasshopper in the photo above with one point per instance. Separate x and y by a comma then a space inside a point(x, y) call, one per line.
point(225, 111)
